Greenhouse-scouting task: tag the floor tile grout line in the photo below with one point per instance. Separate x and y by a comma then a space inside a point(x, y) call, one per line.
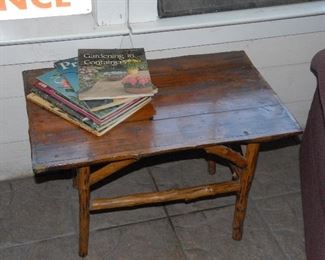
point(167, 214)
point(270, 230)
point(160, 218)
point(264, 220)
point(125, 225)
point(38, 241)
point(277, 195)
point(76, 234)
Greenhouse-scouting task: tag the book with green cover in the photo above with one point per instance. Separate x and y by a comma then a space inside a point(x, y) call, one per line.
point(113, 74)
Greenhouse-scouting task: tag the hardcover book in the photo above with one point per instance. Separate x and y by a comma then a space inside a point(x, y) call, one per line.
point(113, 74)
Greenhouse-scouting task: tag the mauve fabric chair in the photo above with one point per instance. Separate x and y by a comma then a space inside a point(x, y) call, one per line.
point(312, 167)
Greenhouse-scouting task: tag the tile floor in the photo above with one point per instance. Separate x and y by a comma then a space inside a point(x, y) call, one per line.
point(39, 219)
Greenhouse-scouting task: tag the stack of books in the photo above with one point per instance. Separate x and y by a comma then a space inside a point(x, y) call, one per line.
point(98, 89)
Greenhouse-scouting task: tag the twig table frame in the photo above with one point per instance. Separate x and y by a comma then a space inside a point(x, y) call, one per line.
point(205, 102)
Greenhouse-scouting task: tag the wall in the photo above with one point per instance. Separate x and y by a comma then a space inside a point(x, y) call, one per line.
point(283, 59)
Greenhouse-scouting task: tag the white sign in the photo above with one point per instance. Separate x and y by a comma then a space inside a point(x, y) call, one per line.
point(21, 9)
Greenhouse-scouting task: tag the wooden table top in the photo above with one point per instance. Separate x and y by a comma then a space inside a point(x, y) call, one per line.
point(203, 100)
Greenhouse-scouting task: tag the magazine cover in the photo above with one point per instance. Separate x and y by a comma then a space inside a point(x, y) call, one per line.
point(60, 86)
point(113, 73)
point(54, 80)
point(69, 70)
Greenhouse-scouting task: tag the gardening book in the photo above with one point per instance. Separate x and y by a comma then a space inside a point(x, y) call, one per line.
point(113, 74)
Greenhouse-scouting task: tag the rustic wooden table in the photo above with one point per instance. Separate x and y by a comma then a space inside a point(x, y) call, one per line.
point(206, 102)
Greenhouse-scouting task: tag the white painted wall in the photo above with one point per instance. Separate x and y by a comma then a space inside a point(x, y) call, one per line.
point(281, 50)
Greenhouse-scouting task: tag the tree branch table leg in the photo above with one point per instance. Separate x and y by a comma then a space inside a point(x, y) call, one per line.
point(75, 180)
point(84, 199)
point(246, 179)
point(211, 167)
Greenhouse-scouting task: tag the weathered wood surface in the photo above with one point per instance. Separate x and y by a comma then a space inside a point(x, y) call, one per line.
point(202, 100)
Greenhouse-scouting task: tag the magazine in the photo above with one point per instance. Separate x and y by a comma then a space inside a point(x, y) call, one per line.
point(72, 118)
point(113, 74)
point(69, 70)
point(53, 80)
point(99, 117)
